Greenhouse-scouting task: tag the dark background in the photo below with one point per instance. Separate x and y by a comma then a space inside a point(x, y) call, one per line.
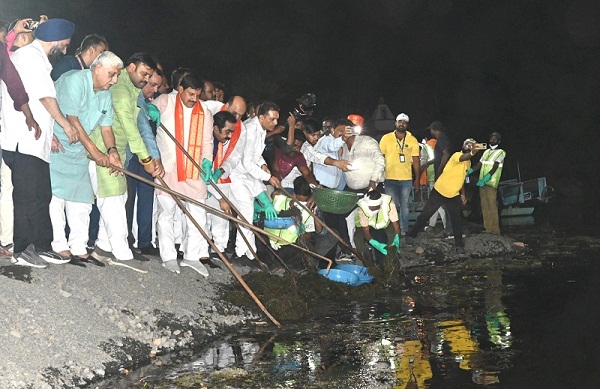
point(525, 68)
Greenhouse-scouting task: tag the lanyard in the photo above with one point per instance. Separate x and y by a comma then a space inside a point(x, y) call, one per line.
point(398, 142)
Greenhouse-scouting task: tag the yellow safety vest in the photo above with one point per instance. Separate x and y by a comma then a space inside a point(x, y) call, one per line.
point(382, 219)
point(487, 160)
point(282, 203)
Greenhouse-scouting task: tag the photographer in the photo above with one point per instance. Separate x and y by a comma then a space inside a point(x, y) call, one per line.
point(449, 191)
point(20, 33)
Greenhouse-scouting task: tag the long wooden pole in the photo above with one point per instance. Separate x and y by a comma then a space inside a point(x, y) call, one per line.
point(241, 216)
point(220, 213)
point(220, 254)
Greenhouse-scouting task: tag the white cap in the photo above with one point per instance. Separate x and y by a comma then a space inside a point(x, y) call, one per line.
point(403, 117)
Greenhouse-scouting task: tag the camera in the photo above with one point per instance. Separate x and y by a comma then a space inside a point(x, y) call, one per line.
point(306, 106)
point(356, 130)
point(32, 25)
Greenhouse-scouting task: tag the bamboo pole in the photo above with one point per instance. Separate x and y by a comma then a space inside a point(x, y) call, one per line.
point(241, 216)
point(220, 254)
point(220, 213)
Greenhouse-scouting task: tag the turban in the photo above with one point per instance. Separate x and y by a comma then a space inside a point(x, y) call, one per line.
point(54, 30)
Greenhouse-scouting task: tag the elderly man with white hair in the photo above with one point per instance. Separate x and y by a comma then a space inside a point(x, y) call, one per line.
point(85, 99)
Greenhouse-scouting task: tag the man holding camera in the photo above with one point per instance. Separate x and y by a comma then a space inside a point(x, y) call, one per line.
point(401, 150)
point(449, 191)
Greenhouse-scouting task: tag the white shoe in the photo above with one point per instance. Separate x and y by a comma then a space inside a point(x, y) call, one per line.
point(195, 265)
point(172, 265)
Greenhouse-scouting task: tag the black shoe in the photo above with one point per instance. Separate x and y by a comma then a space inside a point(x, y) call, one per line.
point(245, 261)
point(210, 263)
point(91, 260)
point(139, 257)
point(150, 250)
point(76, 260)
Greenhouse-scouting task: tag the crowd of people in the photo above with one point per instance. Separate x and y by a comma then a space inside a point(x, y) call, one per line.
point(84, 136)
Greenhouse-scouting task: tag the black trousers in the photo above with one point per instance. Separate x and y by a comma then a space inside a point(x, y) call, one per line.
point(31, 198)
point(452, 207)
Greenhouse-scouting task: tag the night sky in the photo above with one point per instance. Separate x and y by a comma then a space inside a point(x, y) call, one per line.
point(526, 68)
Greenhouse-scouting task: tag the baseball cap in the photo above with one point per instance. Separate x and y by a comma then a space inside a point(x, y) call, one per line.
point(437, 125)
point(403, 117)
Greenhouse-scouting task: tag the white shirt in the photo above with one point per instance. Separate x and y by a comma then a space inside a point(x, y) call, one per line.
point(368, 162)
point(252, 159)
point(312, 155)
point(328, 176)
point(34, 69)
point(214, 106)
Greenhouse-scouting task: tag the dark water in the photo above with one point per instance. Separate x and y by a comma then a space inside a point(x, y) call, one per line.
point(496, 324)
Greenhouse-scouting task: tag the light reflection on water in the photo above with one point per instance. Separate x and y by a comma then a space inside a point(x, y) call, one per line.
point(446, 330)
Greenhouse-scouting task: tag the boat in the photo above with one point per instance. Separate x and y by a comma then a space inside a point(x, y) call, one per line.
point(519, 198)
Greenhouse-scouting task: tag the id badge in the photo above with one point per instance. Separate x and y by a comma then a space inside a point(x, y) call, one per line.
point(402, 158)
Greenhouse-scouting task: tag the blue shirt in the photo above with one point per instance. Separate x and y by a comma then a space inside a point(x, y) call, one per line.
point(146, 131)
point(69, 170)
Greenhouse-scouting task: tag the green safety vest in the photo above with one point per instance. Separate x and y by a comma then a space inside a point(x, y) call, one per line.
point(487, 163)
point(382, 219)
point(282, 203)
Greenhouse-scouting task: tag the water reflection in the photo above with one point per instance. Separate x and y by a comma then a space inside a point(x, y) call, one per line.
point(446, 329)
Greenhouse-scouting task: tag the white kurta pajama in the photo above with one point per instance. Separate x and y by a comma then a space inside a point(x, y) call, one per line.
point(194, 245)
point(247, 180)
point(217, 225)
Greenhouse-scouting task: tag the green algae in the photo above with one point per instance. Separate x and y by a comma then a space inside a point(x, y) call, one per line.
point(291, 298)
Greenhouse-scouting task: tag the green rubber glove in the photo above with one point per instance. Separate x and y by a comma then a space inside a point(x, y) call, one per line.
point(206, 173)
point(485, 179)
point(396, 242)
point(469, 171)
point(378, 246)
point(216, 175)
point(270, 212)
point(153, 113)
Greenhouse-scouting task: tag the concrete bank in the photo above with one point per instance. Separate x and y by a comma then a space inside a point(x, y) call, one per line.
point(66, 326)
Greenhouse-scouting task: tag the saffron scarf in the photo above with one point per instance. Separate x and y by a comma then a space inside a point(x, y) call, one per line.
point(220, 158)
point(194, 148)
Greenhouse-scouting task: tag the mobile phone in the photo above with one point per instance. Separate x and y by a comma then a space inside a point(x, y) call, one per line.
point(480, 146)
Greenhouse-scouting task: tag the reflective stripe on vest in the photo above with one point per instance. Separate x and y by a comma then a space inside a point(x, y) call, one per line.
point(382, 219)
point(282, 203)
point(487, 163)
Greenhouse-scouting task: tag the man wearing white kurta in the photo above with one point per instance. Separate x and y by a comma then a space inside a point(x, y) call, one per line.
point(190, 121)
point(229, 144)
point(247, 178)
point(27, 153)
